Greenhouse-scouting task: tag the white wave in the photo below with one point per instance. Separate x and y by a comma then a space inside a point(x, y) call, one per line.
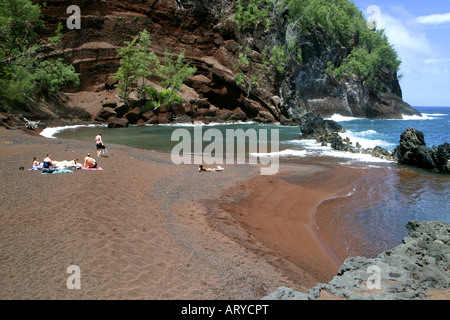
point(434, 114)
point(360, 137)
point(284, 153)
point(305, 142)
point(49, 132)
point(359, 157)
point(339, 118)
point(324, 151)
point(367, 139)
point(367, 133)
point(424, 116)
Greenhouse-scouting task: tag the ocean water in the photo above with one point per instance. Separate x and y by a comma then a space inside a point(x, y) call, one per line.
point(379, 206)
point(369, 133)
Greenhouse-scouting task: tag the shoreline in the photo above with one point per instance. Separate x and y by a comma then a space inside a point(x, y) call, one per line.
point(279, 212)
point(147, 229)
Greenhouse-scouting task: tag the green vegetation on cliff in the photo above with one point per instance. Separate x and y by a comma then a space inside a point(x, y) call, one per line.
point(369, 49)
point(138, 61)
point(23, 69)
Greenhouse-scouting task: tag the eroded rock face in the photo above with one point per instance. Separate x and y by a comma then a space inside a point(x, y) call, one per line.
point(212, 43)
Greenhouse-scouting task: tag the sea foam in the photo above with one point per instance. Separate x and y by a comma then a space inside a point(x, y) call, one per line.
point(50, 132)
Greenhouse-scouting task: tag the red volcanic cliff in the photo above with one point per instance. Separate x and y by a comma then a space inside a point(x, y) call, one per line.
point(207, 33)
point(210, 42)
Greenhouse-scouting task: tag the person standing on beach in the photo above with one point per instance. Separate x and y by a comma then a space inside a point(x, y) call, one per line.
point(99, 144)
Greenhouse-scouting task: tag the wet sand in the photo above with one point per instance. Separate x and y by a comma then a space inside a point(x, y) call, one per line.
point(279, 211)
point(144, 228)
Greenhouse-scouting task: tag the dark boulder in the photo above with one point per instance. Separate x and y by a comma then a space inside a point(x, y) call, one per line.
point(183, 119)
point(108, 104)
point(111, 83)
point(239, 115)
point(148, 115)
point(122, 109)
point(133, 115)
point(413, 151)
point(115, 122)
point(225, 115)
point(104, 114)
point(442, 157)
point(313, 126)
point(153, 120)
point(382, 153)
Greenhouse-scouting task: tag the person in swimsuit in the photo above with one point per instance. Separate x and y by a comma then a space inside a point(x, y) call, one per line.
point(36, 164)
point(90, 162)
point(99, 144)
point(203, 169)
point(47, 162)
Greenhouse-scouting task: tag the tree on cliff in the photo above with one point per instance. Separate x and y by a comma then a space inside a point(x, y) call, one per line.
point(175, 70)
point(24, 69)
point(137, 60)
point(128, 64)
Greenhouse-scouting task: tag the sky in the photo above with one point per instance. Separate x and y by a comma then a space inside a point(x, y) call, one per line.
point(420, 33)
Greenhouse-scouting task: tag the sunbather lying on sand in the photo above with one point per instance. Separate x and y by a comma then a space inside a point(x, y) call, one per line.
point(90, 162)
point(67, 164)
point(203, 169)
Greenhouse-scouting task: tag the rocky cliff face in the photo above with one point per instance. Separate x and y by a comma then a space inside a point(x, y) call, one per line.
point(212, 43)
point(310, 89)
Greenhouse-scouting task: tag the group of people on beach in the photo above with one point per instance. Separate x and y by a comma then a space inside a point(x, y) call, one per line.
point(48, 163)
point(89, 162)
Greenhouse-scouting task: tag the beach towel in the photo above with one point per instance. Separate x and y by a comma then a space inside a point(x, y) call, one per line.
point(55, 171)
point(87, 168)
point(35, 168)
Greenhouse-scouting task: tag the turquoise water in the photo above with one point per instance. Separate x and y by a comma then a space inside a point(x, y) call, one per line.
point(380, 205)
point(368, 132)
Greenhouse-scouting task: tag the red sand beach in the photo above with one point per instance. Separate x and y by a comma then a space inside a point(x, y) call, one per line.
point(144, 228)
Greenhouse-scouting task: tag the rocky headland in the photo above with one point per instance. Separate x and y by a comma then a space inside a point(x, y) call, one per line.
point(409, 271)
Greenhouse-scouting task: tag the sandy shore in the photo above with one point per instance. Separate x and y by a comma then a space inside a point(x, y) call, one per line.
point(144, 228)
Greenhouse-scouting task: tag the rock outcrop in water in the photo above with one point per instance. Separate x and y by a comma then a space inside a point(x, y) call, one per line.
point(326, 132)
point(420, 264)
point(413, 151)
point(313, 126)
